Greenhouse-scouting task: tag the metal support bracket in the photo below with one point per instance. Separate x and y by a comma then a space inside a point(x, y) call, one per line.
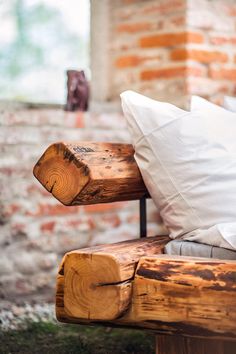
point(143, 217)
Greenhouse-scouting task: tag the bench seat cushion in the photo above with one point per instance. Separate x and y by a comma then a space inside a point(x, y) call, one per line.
point(194, 249)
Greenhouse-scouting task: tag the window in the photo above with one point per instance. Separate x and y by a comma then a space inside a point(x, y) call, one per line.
point(40, 40)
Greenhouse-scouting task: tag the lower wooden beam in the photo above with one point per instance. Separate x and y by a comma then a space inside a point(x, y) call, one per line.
point(170, 295)
point(185, 345)
point(183, 295)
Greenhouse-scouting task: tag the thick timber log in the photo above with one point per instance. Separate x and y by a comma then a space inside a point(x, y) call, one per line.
point(182, 345)
point(98, 281)
point(183, 295)
point(177, 296)
point(89, 173)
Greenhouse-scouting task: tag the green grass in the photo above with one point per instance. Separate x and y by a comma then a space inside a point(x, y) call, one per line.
point(51, 338)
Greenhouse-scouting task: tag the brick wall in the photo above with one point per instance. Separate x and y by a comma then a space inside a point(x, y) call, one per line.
point(215, 56)
point(144, 33)
point(35, 230)
point(167, 49)
point(170, 49)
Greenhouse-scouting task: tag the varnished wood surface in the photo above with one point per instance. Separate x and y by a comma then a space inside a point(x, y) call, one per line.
point(180, 345)
point(186, 295)
point(88, 173)
point(98, 280)
point(177, 296)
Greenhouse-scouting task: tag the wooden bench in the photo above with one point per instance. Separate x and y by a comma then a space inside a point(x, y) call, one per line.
point(190, 303)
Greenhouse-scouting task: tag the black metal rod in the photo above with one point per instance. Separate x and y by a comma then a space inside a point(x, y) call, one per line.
point(143, 217)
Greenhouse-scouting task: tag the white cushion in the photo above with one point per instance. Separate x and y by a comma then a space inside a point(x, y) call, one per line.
point(188, 163)
point(230, 103)
point(194, 249)
point(199, 103)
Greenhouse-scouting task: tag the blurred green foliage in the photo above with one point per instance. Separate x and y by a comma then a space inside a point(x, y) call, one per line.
point(42, 44)
point(48, 338)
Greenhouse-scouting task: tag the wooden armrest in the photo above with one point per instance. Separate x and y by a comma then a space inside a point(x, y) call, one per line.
point(88, 173)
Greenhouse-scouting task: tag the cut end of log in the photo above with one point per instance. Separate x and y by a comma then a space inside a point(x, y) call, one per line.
point(98, 281)
point(61, 174)
point(89, 173)
point(93, 287)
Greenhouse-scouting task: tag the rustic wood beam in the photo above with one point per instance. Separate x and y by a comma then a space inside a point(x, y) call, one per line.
point(194, 296)
point(89, 173)
point(98, 280)
point(181, 345)
point(190, 297)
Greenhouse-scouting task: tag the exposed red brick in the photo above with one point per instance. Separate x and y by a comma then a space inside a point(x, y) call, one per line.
point(165, 73)
point(231, 10)
point(134, 60)
point(22, 287)
point(195, 71)
point(223, 74)
point(128, 61)
point(52, 210)
point(169, 73)
point(126, 2)
point(98, 208)
point(165, 7)
point(206, 85)
point(18, 228)
point(37, 189)
point(178, 21)
point(202, 56)
point(133, 219)
point(14, 171)
point(170, 39)
point(111, 220)
point(11, 209)
point(48, 226)
point(221, 40)
point(179, 54)
point(76, 224)
point(133, 27)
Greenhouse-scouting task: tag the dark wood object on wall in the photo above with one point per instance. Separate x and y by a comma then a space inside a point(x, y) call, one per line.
point(77, 91)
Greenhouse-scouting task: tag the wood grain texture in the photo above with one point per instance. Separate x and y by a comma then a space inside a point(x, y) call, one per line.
point(195, 296)
point(181, 345)
point(88, 173)
point(180, 296)
point(98, 280)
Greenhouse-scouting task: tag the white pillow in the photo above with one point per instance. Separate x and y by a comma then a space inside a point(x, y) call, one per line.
point(188, 163)
point(199, 103)
point(230, 103)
